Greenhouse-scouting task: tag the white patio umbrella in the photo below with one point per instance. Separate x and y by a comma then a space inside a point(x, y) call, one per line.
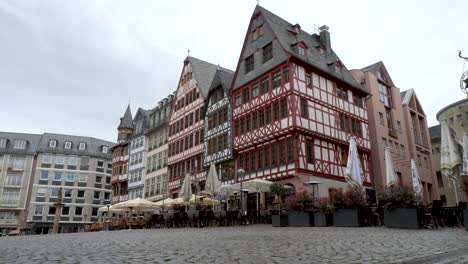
point(353, 167)
point(168, 202)
point(417, 185)
point(212, 185)
point(390, 174)
point(258, 185)
point(465, 154)
point(111, 209)
point(137, 204)
point(186, 190)
point(449, 157)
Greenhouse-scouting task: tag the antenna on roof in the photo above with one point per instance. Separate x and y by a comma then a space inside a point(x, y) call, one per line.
point(258, 2)
point(188, 52)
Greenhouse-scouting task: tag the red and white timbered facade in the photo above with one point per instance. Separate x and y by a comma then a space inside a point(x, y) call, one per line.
point(293, 121)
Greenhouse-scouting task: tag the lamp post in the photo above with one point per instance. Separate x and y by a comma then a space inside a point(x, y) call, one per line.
point(241, 172)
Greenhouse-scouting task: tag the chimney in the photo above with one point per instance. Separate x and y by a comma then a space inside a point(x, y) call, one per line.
point(325, 37)
point(297, 28)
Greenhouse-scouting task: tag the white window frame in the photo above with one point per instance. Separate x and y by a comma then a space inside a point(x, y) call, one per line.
point(74, 159)
point(81, 211)
point(20, 144)
point(52, 191)
point(48, 160)
point(94, 197)
point(68, 177)
point(41, 192)
point(84, 194)
point(49, 209)
point(82, 146)
point(42, 209)
point(105, 149)
point(68, 145)
point(40, 175)
point(68, 210)
point(83, 175)
point(52, 143)
point(3, 143)
point(60, 159)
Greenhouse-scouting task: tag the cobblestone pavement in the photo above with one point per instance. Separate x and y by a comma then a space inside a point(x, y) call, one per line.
point(245, 244)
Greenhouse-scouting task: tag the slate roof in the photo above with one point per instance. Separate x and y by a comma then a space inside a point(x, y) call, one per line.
point(126, 121)
point(373, 67)
point(93, 145)
point(222, 77)
point(434, 132)
point(31, 146)
point(282, 30)
point(204, 73)
point(376, 66)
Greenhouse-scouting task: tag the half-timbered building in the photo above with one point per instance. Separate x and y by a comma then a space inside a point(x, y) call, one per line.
point(217, 141)
point(136, 169)
point(295, 107)
point(186, 124)
point(120, 155)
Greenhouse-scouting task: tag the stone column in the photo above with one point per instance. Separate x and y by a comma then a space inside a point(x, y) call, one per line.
point(58, 212)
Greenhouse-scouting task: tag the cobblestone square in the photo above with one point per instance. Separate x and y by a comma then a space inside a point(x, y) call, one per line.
point(242, 244)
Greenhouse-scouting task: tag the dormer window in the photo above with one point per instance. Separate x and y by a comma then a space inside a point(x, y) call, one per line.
point(52, 143)
point(104, 149)
point(20, 144)
point(258, 32)
point(301, 50)
point(68, 145)
point(82, 146)
point(338, 69)
point(3, 143)
point(249, 64)
point(267, 52)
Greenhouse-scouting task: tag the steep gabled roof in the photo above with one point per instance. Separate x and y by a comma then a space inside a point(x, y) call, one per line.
point(406, 97)
point(285, 34)
point(374, 68)
point(141, 113)
point(126, 121)
point(223, 78)
point(203, 72)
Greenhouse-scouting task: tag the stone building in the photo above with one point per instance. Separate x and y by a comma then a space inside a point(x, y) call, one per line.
point(17, 164)
point(82, 168)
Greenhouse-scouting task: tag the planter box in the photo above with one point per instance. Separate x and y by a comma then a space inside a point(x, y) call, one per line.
point(348, 218)
point(279, 220)
point(465, 219)
point(300, 218)
point(323, 219)
point(402, 218)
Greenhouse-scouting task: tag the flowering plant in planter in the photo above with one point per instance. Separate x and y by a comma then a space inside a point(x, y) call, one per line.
point(322, 205)
point(300, 202)
point(352, 198)
point(399, 197)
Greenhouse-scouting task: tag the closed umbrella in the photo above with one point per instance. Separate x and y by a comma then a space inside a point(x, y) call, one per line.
point(390, 174)
point(353, 167)
point(449, 157)
point(212, 185)
point(417, 185)
point(186, 190)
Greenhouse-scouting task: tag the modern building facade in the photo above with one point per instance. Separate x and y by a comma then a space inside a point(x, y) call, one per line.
point(156, 175)
point(120, 158)
point(136, 168)
point(456, 116)
point(419, 143)
point(217, 139)
point(186, 124)
point(386, 123)
point(17, 163)
point(81, 167)
point(295, 107)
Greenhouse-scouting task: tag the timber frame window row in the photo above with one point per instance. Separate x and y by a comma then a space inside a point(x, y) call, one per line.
point(263, 116)
point(344, 157)
point(350, 125)
point(216, 96)
point(278, 77)
point(187, 99)
point(185, 143)
point(269, 156)
point(179, 169)
point(186, 121)
point(218, 143)
point(218, 118)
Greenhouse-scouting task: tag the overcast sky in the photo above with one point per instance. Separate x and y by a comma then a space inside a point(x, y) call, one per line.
point(72, 66)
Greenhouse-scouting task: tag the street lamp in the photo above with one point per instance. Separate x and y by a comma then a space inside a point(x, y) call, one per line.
point(241, 172)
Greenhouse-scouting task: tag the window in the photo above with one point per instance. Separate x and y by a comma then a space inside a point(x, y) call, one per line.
point(54, 192)
point(104, 149)
point(358, 101)
point(82, 146)
point(17, 163)
point(106, 195)
point(286, 74)
point(440, 181)
point(276, 79)
point(276, 111)
point(10, 196)
point(389, 119)
point(41, 192)
point(20, 144)
point(290, 151)
point(267, 52)
point(65, 210)
point(399, 126)
point(245, 95)
point(342, 93)
point(426, 162)
point(344, 157)
point(46, 158)
point(337, 68)
point(264, 85)
point(52, 143)
point(254, 90)
point(38, 209)
point(385, 95)
point(402, 149)
point(381, 118)
point(78, 211)
point(83, 177)
point(100, 163)
point(284, 108)
point(44, 175)
point(72, 161)
point(249, 64)
point(301, 50)
point(3, 143)
point(238, 99)
point(98, 179)
point(68, 193)
point(59, 159)
point(13, 179)
point(308, 79)
point(68, 144)
point(80, 194)
point(310, 151)
point(304, 108)
point(97, 195)
point(261, 117)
